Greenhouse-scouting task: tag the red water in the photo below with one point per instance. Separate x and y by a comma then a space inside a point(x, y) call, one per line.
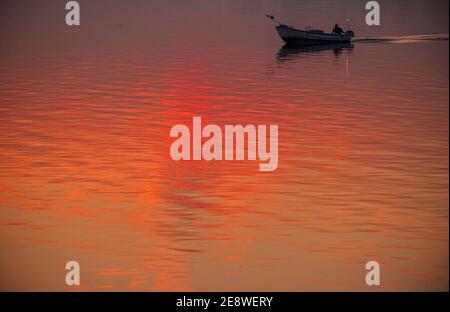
point(86, 174)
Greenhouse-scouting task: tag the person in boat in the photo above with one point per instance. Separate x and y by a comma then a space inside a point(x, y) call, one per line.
point(337, 30)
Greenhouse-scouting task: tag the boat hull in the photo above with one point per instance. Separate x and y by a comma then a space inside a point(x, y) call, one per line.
point(301, 37)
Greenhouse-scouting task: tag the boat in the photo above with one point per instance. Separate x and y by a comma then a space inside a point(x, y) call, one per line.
point(295, 36)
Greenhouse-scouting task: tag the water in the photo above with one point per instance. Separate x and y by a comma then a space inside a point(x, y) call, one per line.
point(86, 175)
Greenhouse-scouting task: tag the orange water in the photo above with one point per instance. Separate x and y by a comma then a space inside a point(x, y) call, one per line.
point(86, 174)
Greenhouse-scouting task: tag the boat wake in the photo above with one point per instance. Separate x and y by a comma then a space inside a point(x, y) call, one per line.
point(403, 39)
point(290, 49)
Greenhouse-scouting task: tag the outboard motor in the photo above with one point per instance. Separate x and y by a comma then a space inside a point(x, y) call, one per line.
point(349, 32)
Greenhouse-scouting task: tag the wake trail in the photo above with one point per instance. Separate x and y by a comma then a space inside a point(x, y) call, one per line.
point(402, 39)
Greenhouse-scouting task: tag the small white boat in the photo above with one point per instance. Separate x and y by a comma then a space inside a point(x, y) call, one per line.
point(292, 35)
point(296, 36)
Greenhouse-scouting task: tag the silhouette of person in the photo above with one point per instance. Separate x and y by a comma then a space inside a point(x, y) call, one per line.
point(337, 30)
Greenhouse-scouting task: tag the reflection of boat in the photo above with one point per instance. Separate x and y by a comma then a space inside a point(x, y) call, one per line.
point(289, 49)
point(308, 37)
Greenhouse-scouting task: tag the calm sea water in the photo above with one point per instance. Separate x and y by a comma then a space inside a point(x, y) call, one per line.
point(86, 175)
